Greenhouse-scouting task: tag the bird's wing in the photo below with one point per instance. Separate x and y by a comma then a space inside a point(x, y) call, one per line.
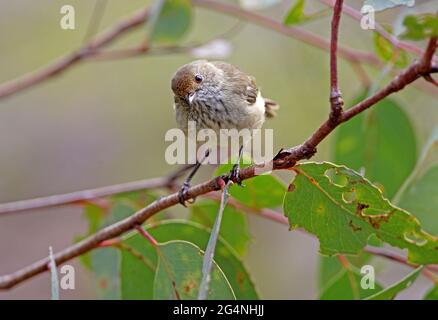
point(239, 82)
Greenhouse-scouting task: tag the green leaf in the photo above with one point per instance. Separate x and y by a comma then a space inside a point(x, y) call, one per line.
point(179, 274)
point(372, 140)
point(95, 216)
point(390, 292)
point(105, 262)
point(137, 269)
point(105, 265)
point(388, 53)
point(345, 285)
point(344, 215)
point(234, 228)
point(419, 192)
point(379, 5)
point(254, 191)
point(422, 198)
point(137, 263)
point(420, 27)
point(296, 13)
point(329, 267)
point(432, 294)
point(171, 20)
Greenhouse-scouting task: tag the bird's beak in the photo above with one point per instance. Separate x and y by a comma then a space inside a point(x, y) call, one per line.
point(189, 98)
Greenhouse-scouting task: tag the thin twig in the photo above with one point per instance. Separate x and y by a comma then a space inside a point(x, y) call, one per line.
point(147, 236)
point(294, 32)
point(91, 194)
point(336, 101)
point(352, 12)
point(96, 17)
point(62, 64)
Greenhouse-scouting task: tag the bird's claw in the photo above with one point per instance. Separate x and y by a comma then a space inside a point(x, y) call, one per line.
point(182, 194)
point(234, 174)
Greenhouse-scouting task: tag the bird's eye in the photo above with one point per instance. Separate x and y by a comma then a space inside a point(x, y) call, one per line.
point(198, 78)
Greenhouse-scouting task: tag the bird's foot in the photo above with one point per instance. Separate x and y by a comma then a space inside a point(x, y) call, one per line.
point(234, 174)
point(182, 194)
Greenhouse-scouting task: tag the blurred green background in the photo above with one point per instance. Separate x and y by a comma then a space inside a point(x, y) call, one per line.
point(103, 122)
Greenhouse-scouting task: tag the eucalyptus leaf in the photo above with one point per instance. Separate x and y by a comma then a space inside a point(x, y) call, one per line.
point(234, 227)
point(343, 209)
point(178, 275)
point(171, 20)
point(372, 140)
point(139, 259)
point(391, 292)
point(346, 285)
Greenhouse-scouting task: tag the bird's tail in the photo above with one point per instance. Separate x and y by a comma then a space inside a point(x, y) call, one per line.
point(270, 107)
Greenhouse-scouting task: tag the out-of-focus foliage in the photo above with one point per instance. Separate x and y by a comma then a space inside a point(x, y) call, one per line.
point(370, 143)
point(345, 285)
point(171, 20)
point(391, 292)
point(420, 27)
point(432, 294)
point(388, 53)
point(296, 14)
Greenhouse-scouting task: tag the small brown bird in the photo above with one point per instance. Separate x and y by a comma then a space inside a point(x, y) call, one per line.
point(216, 95)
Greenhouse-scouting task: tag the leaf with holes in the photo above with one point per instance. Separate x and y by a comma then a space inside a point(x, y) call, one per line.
point(234, 226)
point(179, 274)
point(343, 209)
point(391, 292)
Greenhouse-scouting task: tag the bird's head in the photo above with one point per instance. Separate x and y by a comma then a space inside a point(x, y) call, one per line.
point(195, 79)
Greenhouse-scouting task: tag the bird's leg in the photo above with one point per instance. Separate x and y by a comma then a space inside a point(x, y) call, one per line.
point(234, 174)
point(182, 194)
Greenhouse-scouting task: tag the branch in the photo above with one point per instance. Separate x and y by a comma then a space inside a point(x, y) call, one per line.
point(92, 49)
point(336, 101)
point(287, 158)
point(352, 12)
point(91, 194)
point(62, 64)
point(294, 32)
